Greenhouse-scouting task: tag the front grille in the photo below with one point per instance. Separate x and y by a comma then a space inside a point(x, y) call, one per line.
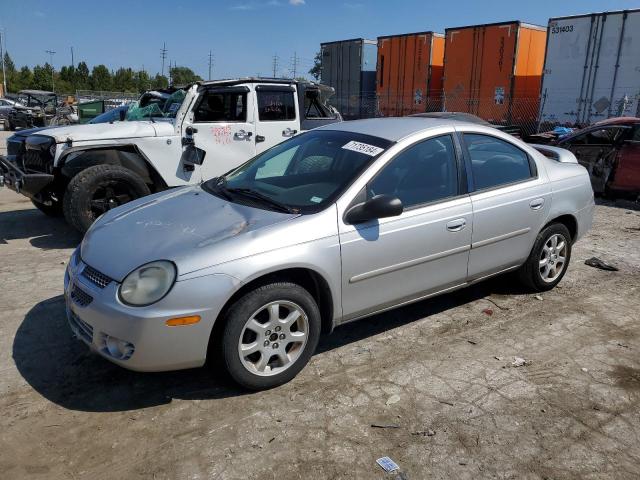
point(37, 161)
point(82, 328)
point(80, 297)
point(95, 277)
point(14, 147)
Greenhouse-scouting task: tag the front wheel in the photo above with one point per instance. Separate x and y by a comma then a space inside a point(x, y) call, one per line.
point(98, 189)
point(270, 334)
point(549, 258)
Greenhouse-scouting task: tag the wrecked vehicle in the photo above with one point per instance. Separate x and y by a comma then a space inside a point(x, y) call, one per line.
point(14, 115)
point(333, 225)
point(173, 137)
point(610, 151)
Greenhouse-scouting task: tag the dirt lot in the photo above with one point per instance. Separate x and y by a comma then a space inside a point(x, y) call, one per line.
point(440, 371)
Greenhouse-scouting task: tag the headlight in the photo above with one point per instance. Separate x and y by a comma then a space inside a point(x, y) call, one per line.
point(52, 150)
point(148, 283)
point(75, 256)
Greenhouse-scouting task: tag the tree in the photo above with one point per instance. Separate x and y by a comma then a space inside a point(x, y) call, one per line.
point(316, 70)
point(10, 70)
point(124, 80)
point(143, 82)
point(42, 77)
point(160, 81)
point(183, 76)
point(24, 79)
point(82, 79)
point(101, 78)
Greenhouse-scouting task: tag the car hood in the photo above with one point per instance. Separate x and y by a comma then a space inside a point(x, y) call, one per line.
point(107, 131)
point(28, 131)
point(187, 226)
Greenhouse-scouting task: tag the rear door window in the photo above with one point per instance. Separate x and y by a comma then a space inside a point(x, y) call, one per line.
point(274, 106)
point(496, 162)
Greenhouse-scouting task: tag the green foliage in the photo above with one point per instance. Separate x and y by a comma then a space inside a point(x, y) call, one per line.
point(183, 76)
point(316, 70)
point(69, 79)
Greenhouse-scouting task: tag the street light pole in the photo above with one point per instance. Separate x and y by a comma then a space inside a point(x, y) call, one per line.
point(53, 83)
point(4, 74)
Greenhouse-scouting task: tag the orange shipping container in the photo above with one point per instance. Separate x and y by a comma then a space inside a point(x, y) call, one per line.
point(494, 71)
point(409, 73)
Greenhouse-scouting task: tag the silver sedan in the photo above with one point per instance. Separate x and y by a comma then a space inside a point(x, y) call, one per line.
point(330, 226)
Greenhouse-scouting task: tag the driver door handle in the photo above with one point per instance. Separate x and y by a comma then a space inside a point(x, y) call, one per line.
point(289, 132)
point(242, 135)
point(536, 204)
point(456, 225)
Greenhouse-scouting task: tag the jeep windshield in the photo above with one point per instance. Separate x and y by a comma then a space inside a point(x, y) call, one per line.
point(156, 104)
point(302, 175)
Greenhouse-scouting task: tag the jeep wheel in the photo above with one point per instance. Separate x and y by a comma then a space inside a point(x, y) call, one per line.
point(98, 189)
point(53, 210)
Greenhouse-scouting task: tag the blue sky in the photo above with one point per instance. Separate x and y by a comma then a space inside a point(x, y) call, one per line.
point(243, 35)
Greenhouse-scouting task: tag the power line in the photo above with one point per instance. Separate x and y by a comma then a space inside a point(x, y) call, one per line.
point(210, 63)
point(275, 65)
point(163, 56)
point(294, 65)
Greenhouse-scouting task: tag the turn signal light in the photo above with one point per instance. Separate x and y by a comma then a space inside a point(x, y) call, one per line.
point(182, 321)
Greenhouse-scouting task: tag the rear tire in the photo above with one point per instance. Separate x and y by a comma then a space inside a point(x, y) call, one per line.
point(278, 326)
point(53, 210)
point(98, 189)
point(548, 260)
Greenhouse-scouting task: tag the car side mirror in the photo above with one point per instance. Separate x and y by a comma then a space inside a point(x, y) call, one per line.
point(380, 206)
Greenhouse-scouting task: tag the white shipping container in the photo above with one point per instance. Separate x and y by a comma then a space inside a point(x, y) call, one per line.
point(592, 68)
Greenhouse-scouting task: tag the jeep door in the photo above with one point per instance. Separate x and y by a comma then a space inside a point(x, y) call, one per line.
point(626, 177)
point(277, 115)
point(221, 124)
point(389, 261)
point(511, 198)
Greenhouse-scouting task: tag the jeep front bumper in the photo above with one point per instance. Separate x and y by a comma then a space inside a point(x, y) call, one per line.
point(28, 184)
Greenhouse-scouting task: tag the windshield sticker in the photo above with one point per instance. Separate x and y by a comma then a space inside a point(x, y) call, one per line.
point(365, 148)
point(315, 199)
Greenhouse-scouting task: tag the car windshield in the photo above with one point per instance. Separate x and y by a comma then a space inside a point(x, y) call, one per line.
point(301, 175)
point(109, 116)
point(156, 105)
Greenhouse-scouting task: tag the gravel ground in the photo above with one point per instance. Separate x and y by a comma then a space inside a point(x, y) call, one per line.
point(437, 373)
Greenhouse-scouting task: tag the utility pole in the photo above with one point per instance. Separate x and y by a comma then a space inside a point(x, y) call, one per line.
point(72, 64)
point(210, 63)
point(294, 64)
point(163, 55)
point(275, 65)
point(4, 75)
point(53, 83)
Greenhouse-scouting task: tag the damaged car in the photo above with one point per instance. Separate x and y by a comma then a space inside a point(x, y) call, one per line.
point(328, 227)
point(610, 151)
point(172, 137)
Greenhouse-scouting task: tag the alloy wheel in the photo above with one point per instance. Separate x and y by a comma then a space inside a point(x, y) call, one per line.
point(553, 258)
point(273, 338)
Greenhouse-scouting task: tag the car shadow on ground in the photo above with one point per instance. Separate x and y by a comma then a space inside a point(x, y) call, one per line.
point(64, 371)
point(43, 232)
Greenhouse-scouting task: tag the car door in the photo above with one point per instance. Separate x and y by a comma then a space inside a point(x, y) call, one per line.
point(626, 177)
point(277, 115)
point(595, 149)
point(511, 199)
point(222, 125)
point(389, 261)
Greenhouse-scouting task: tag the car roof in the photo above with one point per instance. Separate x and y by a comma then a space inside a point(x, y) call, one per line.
point(462, 116)
point(37, 92)
point(393, 128)
point(618, 120)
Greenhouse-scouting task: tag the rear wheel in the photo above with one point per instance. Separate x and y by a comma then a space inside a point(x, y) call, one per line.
point(270, 334)
point(97, 190)
point(548, 260)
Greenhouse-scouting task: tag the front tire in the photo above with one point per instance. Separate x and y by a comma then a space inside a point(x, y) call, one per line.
point(98, 189)
point(270, 334)
point(548, 260)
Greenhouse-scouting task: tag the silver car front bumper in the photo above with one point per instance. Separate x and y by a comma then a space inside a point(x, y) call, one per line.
point(138, 338)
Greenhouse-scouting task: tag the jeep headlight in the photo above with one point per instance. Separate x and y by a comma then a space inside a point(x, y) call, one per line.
point(52, 150)
point(148, 284)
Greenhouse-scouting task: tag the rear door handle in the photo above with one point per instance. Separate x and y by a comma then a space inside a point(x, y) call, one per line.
point(536, 204)
point(456, 225)
point(289, 132)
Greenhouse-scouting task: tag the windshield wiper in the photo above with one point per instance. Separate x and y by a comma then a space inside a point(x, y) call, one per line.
point(255, 195)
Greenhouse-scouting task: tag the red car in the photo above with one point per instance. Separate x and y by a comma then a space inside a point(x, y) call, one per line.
point(610, 150)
